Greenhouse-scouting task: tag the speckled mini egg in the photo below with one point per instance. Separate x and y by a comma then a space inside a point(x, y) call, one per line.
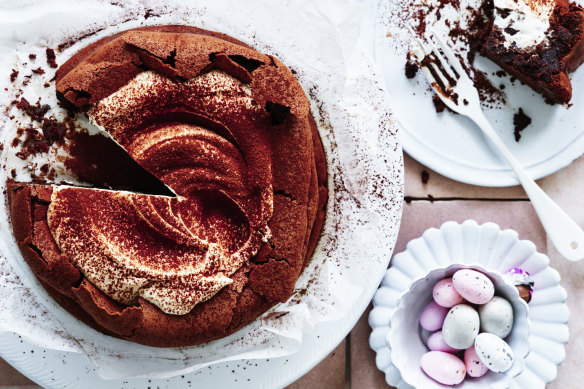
point(445, 295)
point(494, 352)
point(497, 317)
point(461, 326)
point(474, 286)
point(432, 316)
point(474, 366)
point(436, 343)
point(443, 367)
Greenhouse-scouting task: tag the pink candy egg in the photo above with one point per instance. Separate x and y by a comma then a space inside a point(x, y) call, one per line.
point(436, 343)
point(445, 295)
point(474, 366)
point(474, 286)
point(444, 368)
point(432, 316)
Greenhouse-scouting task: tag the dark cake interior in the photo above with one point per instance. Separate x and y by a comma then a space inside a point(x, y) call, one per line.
point(504, 32)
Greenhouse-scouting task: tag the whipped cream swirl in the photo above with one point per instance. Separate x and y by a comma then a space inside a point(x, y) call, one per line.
point(523, 23)
point(203, 138)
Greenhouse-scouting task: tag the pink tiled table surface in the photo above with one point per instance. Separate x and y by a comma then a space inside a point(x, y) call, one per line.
point(352, 363)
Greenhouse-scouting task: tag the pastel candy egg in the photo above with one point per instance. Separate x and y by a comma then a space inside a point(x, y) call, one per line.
point(494, 352)
point(445, 295)
point(474, 366)
point(436, 343)
point(497, 317)
point(474, 286)
point(432, 316)
point(461, 326)
point(444, 368)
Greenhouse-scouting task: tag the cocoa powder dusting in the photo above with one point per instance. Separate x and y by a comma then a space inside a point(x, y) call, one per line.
point(454, 3)
point(421, 19)
point(488, 92)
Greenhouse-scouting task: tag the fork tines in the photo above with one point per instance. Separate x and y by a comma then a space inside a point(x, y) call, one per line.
point(443, 73)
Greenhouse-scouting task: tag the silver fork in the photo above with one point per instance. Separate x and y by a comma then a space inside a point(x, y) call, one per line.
point(455, 88)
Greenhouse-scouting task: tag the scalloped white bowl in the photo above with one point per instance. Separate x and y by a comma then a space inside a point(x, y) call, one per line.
point(406, 339)
point(490, 247)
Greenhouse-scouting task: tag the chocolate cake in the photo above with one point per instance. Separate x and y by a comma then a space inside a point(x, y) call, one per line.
point(537, 41)
point(229, 132)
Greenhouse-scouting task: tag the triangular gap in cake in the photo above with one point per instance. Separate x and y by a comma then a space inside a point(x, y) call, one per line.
point(98, 161)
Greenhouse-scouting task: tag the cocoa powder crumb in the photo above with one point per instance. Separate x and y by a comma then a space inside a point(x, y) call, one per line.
point(13, 75)
point(51, 58)
point(32, 56)
point(438, 104)
point(52, 174)
point(34, 143)
point(520, 122)
point(53, 131)
point(36, 112)
point(38, 71)
point(411, 69)
point(149, 13)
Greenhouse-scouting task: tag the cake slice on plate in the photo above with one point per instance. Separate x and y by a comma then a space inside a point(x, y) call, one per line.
point(537, 41)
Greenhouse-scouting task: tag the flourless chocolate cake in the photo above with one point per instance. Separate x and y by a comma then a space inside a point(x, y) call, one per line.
point(537, 41)
point(229, 132)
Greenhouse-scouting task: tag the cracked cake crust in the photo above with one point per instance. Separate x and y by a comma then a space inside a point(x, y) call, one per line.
point(298, 180)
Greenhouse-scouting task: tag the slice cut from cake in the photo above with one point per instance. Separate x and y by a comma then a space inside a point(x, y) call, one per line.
point(537, 41)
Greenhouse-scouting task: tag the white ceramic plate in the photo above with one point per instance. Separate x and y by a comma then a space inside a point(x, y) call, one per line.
point(485, 245)
point(451, 144)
